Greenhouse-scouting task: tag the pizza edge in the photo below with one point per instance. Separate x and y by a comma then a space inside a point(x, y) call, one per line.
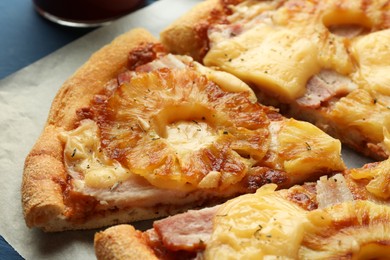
point(44, 171)
point(181, 36)
point(109, 244)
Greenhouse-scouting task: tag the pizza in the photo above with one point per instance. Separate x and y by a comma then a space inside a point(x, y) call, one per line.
point(138, 133)
point(325, 62)
point(345, 216)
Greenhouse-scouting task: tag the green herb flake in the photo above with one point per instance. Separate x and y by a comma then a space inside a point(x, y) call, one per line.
point(257, 233)
point(74, 153)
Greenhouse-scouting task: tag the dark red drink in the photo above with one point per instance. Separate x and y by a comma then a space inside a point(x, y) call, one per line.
point(84, 13)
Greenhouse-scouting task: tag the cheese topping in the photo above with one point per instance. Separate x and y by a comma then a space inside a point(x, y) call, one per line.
point(281, 60)
point(257, 226)
point(372, 52)
point(83, 154)
point(228, 82)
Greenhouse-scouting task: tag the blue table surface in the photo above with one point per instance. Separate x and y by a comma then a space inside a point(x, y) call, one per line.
point(26, 37)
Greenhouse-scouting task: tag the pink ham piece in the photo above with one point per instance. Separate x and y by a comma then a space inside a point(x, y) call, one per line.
point(168, 61)
point(125, 77)
point(347, 30)
point(188, 231)
point(324, 86)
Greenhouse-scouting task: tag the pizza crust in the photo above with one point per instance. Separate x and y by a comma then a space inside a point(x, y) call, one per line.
point(59, 223)
point(181, 36)
point(109, 244)
point(44, 170)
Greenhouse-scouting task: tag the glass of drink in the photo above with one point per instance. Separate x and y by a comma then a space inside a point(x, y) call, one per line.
point(85, 13)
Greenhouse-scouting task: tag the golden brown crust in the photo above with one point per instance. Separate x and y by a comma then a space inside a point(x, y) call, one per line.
point(181, 36)
point(110, 244)
point(112, 218)
point(44, 172)
point(90, 79)
point(41, 194)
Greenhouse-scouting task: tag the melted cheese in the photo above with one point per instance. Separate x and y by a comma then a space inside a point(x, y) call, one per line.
point(257, 226)
point(228, 82)
point(278, 59)
point(372, 53)
point(83, 155)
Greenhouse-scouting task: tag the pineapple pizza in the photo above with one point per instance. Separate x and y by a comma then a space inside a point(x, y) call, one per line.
point(139, 133)
point(322, 61)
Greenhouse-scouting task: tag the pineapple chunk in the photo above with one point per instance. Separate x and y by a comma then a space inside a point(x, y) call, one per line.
point(304, 149)
point(257, 226)
point(365, 112)
point(378, 176)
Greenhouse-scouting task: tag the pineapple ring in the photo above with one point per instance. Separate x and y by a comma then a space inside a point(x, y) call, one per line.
point(180, 130)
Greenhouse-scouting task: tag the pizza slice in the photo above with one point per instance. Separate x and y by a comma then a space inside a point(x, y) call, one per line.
point(345, 216)
point(138, 133)
point(325, 62)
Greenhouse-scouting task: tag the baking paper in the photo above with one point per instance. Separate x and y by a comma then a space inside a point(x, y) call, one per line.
point(25, 99)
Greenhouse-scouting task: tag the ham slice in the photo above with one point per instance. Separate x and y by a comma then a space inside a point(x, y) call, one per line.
point(169, 61)
point(347, 30)
point(324, 86)
point(188, 231)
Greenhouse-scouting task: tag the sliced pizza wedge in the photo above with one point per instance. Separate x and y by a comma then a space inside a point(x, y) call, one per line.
point(138, 133)
point(325, 62)
point(337, 217)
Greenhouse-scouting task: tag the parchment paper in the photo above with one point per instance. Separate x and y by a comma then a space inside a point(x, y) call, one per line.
point(25, 99)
